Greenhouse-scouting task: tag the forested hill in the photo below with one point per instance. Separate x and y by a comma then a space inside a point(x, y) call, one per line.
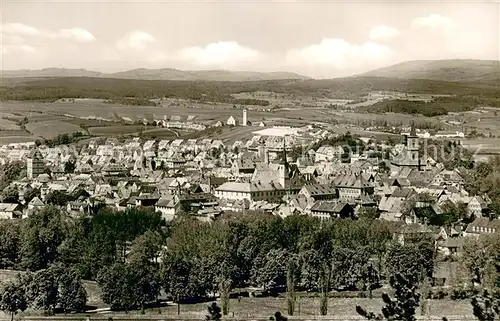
point(453, 70)
point(156, 74)
point(348, 88)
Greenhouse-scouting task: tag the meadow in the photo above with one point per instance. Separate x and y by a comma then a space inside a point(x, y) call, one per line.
point(96, 118)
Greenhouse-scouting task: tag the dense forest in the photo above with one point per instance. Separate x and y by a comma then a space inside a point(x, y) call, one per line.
point(438, 106)
point(347, 88)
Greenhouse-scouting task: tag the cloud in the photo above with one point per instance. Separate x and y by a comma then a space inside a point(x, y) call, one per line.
point(19, 29)
point(339, 54)
point(18, 32)
point(8, 49)
point(137, 40)
point(76, 34)
point(434, 21)
point(219, 53)
point(383, 33)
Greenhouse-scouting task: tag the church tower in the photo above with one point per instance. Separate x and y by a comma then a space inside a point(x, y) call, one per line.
point(34, 164)
point(283, 168)
point(412, 146)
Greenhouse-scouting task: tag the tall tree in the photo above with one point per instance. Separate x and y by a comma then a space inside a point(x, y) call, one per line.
point(225, 288)
point(42, 290)
point(486, 307)
point(290, 286)
point(325, 276)
point(41, 235)
point(403, 306)
point(72, 295)
point(69, 167)
point(13, 298)
point(128, 286)
point(9, 244)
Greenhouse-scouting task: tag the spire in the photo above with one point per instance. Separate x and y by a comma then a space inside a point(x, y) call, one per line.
point(284, 151)
point(413, 132)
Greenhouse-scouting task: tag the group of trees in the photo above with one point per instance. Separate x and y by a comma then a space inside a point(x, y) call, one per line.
point(436, 107)
point(220, 91)
point(62, 139)
point(54, 288)
point(133, 254)
point(484, 178)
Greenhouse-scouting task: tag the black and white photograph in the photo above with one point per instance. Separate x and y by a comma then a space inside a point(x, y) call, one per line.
point(249, 160)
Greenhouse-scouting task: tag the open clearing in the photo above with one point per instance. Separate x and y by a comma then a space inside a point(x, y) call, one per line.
point(8, 125)
point(115, 130)
point(265, 307)
point(101, 119)
point(51, 128)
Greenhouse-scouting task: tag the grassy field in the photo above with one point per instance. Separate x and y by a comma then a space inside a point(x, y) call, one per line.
point(248, 307)
point(160, 133)
point(51, 128)
point(115, 130)
point(262, 307)
point(50, 119)
point(8, 125)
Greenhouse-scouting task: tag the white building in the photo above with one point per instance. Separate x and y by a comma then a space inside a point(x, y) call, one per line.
point(231, 121)
point(245, 120)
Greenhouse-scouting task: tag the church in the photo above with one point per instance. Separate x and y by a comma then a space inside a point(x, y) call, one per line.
point(410, 155)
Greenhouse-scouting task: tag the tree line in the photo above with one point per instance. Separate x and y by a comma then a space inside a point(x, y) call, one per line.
point(438, 106)
point(220, 91)
point(134, 256)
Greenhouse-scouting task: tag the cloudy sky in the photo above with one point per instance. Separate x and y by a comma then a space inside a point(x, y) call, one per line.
point(322, 39)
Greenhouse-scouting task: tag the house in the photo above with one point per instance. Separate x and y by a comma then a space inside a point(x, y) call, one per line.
point(477, 206)
point(353, 186)
point(258, 191)
point(9, 211)
point(328, 153)
point(482, 225)
point(319, 192)
point(243, 166)
point(450, 246)
point(449, 134)
point(115, 170)
point(174, 162)
point(331, 209)
point(168, 206)
point(231, 121)
point(35, 204)
point(410, 232)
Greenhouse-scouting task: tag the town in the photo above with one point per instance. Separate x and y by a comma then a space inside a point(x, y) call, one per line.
point(281, 172)
point(204, 177)
point(249, 161)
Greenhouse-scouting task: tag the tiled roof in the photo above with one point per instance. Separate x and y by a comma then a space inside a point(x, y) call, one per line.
point(320, 189)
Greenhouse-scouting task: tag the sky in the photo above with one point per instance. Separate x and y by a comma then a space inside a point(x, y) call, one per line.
point(320, 39)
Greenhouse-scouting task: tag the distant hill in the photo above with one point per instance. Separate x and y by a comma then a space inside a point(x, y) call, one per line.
point(155, 74)
point(456, 70)
point(49, 72)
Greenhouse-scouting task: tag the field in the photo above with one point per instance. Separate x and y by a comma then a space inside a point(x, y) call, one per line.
point(115, 130)
point(96, 118)
point(8, 125)
point(265, 307)
point(51, 128)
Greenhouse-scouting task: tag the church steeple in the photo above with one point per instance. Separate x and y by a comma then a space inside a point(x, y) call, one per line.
point(284, 161)
point(413, 132)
